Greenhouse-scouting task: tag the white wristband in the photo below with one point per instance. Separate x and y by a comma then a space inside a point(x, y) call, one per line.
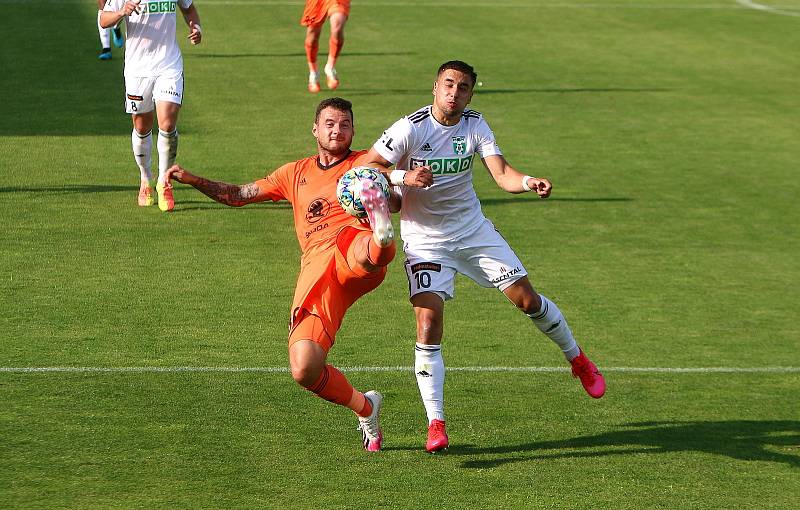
point(525, 183)
point(396, 177)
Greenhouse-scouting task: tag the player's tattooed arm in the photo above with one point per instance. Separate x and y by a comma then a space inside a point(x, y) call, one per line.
point(229, 194)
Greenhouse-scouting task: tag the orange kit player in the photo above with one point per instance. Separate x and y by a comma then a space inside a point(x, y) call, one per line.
point(342, 260)
point(314, 16)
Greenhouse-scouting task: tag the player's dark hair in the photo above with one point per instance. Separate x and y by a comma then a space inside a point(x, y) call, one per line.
point(460, 66)
point(337, 103)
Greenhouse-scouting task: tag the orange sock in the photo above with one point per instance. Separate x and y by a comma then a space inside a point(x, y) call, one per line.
point(311, 54)
point(381, 255)
point(335, 47)
point(334, 387)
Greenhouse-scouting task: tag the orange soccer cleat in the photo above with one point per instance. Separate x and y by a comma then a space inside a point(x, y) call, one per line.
point(166, 201)
point(145, 194)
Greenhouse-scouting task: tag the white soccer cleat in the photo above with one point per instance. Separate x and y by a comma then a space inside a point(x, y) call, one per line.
point(377, 207)
point(332, 78)
point(370, 425)
point(313, 82)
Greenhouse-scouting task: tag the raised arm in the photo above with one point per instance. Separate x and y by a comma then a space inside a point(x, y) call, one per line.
point(511, 180)
point(192, 18)
point(224, 193)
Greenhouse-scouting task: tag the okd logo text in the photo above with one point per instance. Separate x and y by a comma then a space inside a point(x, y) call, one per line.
point(158, 7)
point(445, 165)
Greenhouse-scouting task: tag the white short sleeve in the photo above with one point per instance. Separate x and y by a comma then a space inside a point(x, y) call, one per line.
point(395, 141)
point(485, 144)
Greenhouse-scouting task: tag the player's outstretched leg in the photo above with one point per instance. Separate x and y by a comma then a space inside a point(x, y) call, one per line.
point(370, 425)
point(550, 321)
point(377, 207)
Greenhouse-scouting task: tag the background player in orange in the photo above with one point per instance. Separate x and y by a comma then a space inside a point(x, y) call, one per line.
point(342, 259)
point(314, 16)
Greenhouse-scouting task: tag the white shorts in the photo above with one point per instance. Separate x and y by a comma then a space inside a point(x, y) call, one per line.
point(141, 94)
point(484, 256)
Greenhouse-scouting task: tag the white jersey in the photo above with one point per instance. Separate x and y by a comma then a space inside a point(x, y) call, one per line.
point(448, 209)
point(150, 47)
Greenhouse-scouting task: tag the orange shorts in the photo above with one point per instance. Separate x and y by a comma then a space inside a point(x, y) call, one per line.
point(317, 11)
point(319, 313)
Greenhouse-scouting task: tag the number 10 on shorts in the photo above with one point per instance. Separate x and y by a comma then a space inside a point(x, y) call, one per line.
point(423, 280)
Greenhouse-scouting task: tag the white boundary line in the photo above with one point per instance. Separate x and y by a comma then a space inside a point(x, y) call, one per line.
point(139, 370)
point(772, 10)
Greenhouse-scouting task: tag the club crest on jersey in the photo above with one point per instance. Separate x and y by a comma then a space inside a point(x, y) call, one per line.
point(318, 209)
point(459, 145)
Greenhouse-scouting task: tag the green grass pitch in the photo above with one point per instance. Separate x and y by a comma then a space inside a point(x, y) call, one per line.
point(670, 131)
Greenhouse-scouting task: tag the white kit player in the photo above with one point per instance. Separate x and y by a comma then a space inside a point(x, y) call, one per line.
point(445, 232)
point(153, 82)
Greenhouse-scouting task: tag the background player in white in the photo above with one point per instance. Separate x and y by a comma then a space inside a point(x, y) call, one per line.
point(445, 231)
point(106, 35)
point(153, 80)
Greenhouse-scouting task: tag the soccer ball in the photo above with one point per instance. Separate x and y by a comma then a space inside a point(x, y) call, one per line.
point(348, 191)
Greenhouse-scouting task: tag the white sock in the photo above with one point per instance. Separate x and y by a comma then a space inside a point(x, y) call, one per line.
point(429, 369)
point(105, 33)
point(167, 151)
point(142, 147)
point(552, 323)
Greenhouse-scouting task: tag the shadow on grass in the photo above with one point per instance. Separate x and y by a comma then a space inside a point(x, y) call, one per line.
point(69, 188)
point(289, 55)
point(111, 188)
point(738, 439)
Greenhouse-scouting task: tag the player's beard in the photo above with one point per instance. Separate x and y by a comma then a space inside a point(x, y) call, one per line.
point(336, 147)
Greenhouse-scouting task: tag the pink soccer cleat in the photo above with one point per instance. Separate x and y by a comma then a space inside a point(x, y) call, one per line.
point(591, 378)
point(437, 437)
point(377, 208)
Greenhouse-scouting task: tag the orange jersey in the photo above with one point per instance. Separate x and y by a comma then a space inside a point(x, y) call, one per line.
point(316, 11)
point(311, 189)
point(318, 220)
